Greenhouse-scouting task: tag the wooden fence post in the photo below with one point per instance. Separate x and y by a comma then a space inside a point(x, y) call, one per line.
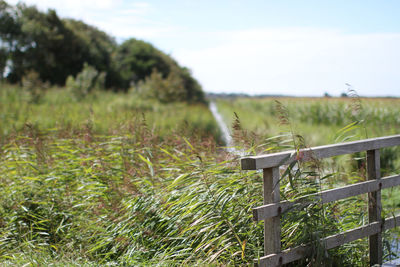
point(374, 206)
point(272, 226)
point(272, 209)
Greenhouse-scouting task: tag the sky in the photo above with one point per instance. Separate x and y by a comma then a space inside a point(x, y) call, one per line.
point(301, 48)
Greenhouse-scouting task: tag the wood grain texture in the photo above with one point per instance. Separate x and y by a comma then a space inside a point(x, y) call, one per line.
point(274, 209)
point(320, 152)
point(374, 206)
point(290, 255)
point(272, 226)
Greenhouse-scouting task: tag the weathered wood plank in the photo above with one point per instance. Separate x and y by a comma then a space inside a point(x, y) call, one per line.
point(272, 226)
point(275, 209)
point(391, 222)
point(333, 241)
point(374, 206)
point(290, 255)
point(320, 152)
point(351, 235)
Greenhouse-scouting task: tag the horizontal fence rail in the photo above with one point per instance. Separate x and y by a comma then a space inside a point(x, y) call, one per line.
point(272, 209)
point(319, 152)
point(333, 241)
point(275, 209)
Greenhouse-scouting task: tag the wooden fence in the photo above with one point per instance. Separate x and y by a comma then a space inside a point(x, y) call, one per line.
point(272, 209)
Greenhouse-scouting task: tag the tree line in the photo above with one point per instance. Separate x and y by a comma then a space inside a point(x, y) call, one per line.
point(57, 48)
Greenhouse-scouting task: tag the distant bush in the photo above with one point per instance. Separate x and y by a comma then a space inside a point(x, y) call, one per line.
point(140, 63)
point(86, 81)
point(32, 83)
point(176, 87)
point(170, 89)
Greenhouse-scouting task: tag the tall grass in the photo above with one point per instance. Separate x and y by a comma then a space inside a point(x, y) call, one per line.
point(120, 180)
point(132, 199)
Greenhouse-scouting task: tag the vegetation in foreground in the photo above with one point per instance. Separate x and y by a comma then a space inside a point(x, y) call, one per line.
point(121, 179)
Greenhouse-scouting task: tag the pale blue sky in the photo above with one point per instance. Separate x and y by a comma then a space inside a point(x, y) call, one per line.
point(262, 47)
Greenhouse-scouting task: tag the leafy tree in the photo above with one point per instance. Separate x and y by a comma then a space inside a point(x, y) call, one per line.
point(140, 61)
point(194, 92)
point(9, 30)
point(96, 49)
point(56, 49)
point(41, 42)
point(3, 62)
point(136, 60)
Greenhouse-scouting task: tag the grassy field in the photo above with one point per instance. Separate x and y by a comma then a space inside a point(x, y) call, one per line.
point(104, 112)
point(117, 179)
point(319, 120)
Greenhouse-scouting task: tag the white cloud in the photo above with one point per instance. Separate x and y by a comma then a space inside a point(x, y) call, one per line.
point(72, 7)
point(124, 26)
point(299, 61)
point(121, 19)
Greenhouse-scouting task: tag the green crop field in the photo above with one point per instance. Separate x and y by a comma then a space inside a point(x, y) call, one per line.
point(120, 179)
point(319, 120)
